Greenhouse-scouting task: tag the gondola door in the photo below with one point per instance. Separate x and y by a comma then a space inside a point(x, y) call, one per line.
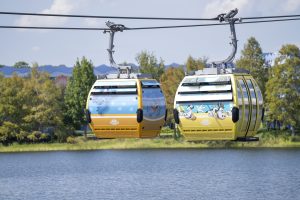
point(246, 107)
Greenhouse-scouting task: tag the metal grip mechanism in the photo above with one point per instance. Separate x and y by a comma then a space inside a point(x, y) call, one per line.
point(229, 17)
point(113, 28)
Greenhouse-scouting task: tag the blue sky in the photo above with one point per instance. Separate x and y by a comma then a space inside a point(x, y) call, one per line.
point(172, 45)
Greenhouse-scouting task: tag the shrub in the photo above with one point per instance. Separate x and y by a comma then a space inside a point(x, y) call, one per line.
point(44, 137)
point(8, 132)
point(62, 133)
point(71, 140)
point(22, 136)
point(34, 136)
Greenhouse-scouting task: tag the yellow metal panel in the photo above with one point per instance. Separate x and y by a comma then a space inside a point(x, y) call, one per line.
point(139, 88)
point(203, 127)
point(114, 126)
point(235, 102)
point(140, 104)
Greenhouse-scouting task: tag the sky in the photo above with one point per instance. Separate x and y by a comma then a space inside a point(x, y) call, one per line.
point(58, 47)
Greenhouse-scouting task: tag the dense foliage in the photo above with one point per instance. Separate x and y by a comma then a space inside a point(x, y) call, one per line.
point(29, 108)
point(77, 91)
point(149, 65)
point(193, 64)
point(252, 59)
point(283, 88)
point(170, 80)
point(21, 64)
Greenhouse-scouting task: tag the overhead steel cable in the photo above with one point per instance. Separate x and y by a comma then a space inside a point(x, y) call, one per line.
point(270, 17)
point(106, 29)
point(179, 26)
point(55, 28)
point(108, 17)
point(130, 17)
point(219, 24)
point(146, 28)
point(266, 21)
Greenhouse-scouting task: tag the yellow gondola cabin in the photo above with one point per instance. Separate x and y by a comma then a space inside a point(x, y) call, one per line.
point(126, 108)
point(218, 107)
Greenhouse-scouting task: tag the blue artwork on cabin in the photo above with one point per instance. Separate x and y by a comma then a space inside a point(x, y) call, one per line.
point(113, 104)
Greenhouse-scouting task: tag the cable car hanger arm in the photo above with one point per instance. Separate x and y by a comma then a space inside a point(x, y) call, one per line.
point(229, 18)
point(113, 28)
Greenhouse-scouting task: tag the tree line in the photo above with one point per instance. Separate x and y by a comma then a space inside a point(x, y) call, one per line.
point(35, 109)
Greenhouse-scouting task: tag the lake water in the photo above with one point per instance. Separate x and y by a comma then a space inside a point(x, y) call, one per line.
point(152, 174)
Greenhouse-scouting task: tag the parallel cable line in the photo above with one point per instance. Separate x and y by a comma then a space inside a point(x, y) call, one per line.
point(270, 17)
point(107, 17)
point(266, 21)
point(131, 17)
point(55, 28)
point(146, 28)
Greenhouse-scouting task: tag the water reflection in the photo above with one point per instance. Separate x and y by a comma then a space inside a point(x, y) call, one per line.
point(152, 174)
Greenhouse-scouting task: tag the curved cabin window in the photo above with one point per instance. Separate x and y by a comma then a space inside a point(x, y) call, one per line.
point(254, 106)
point(114, 98)
point(246, 116)
point(259, 102)
point(154, 107)
point(240, 103)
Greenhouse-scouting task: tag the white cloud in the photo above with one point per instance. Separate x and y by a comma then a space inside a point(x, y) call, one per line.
point(251, 7)
point(216, 7)
point(291, 5)
point(57, 7)
point(93, 22)
point(35, 48)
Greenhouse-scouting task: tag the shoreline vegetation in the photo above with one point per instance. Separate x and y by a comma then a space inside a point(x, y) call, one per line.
point(268, 139)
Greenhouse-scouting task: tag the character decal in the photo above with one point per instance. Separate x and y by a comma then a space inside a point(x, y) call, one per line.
point(217, 110)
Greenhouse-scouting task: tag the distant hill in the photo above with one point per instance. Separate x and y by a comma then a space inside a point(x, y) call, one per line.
point(173, 65)
point(55, 71)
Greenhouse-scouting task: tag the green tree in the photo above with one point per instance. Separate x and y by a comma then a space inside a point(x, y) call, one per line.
point(12, 108)
point(21, 64)
point(8, 132)
point(44, 102)
point(76, 93)
point(252, 59)
point(170, 80)
point(149, 64)
point(283, 88)
point(29, 106)
point(193, 64)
